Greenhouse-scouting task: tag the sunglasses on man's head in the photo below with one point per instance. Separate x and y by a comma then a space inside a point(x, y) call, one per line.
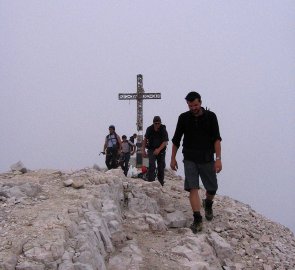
point(157, 123)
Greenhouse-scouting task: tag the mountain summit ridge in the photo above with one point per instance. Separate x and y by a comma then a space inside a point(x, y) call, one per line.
point(97, 219)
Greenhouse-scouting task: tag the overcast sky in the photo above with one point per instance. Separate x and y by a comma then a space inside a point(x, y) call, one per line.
point(63, 64)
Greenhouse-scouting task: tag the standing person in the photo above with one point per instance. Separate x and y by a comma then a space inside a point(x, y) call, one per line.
point(128, 149)
point(201, 139)
point(156, 140)
point(111, 147)
point(132, 139)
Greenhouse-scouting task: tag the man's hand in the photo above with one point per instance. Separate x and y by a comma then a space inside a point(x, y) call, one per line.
point(173, 164)
point(218, 166)
point(156, 151)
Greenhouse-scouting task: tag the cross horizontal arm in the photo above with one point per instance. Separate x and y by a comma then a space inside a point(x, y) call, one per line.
point(128, 96)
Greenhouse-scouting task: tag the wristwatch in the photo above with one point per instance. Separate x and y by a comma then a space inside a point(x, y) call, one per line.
point(218, 158)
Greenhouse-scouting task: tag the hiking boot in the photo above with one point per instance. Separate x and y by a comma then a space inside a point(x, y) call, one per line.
point(196, 226)
point(207, 204)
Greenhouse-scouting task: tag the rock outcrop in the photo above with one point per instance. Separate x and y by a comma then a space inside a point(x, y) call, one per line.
point(91, 219)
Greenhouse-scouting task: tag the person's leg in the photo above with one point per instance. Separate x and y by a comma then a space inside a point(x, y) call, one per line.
point(195, 202)
point(209, 179)
point(152, 166)
point(194, 199)
point(122, 161)
point(209, 196)
point(161, 167)
point(114, 158)
point(108, 159)
point(126, 162)
point(207, 204)
point(191, 184)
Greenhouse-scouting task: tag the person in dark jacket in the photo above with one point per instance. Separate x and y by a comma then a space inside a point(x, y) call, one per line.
point(201, 155)
point(112, 147)
point(155, 140)
point(133, 137)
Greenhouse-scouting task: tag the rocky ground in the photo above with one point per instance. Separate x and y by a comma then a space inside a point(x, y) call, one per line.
point(91, 219)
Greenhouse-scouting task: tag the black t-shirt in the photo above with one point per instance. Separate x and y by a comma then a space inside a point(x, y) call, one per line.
point(199, 135)
point(156, 138)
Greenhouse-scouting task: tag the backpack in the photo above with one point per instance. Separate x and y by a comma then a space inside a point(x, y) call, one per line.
point(116, 145)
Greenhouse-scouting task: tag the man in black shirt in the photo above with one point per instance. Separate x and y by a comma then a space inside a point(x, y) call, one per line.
point(201, 140)
point(156, 140)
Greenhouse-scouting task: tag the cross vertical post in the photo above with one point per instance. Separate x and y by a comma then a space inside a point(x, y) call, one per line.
point(140, 95)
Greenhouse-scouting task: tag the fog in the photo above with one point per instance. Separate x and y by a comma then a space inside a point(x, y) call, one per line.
point(63, 64)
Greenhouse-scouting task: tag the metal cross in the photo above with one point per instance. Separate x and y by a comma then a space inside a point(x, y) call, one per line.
point(140, 95)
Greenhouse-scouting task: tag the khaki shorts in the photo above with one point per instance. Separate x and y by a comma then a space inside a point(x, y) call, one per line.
point(194, 171)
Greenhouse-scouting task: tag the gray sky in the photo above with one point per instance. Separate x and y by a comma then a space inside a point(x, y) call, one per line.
point(63, 64)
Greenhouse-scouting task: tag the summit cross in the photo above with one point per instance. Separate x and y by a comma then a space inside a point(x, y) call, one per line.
point(140, 95)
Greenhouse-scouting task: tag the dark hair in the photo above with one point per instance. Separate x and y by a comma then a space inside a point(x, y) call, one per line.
point(191, 96)
point(112, 127)
point(157, 119)
point(124, 137)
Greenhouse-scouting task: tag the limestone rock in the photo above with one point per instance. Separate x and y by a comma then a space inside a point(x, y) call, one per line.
point(68, 182)
point(176, 219)
point(109, 221)
point(18, 167)
point(77, 183)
